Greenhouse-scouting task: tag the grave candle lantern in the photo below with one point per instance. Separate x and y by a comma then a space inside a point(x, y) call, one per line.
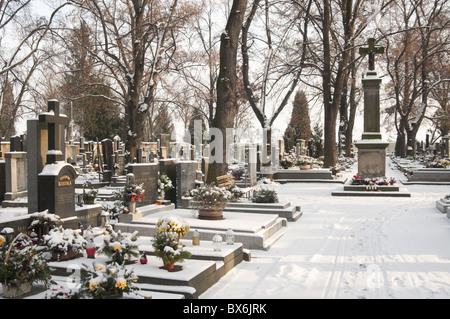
point(230, 237)
point(217, 242)
point(90, 248)
point(143, 259)
point(196, 238)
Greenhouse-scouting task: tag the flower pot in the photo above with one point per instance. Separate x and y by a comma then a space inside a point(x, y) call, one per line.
point(115, 296)
point(305, 167)
point(132, 207)
point(14, 291)
point(89, 202)
point(210, 214)
point(62, 256)
point(169, 266)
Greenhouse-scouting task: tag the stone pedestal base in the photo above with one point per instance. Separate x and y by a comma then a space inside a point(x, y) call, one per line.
point(371, 158)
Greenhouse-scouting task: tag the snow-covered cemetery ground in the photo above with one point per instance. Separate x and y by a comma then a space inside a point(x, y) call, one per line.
point(351, 247)
point(347, 247)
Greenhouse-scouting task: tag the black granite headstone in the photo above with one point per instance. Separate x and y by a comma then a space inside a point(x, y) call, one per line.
point(107, 150)
point(169, 166)
point(56, 186)
point(2, 180)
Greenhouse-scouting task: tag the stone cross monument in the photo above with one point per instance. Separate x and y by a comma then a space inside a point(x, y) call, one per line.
point(371, 148)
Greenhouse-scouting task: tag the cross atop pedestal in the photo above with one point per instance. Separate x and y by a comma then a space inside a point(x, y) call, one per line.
point(55, 121)
point(371, 50)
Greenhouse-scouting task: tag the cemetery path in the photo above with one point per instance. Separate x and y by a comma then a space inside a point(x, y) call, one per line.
point(350, 247)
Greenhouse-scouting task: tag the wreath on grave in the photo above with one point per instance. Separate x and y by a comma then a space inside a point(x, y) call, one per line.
point(90, 194)
point(64, 243)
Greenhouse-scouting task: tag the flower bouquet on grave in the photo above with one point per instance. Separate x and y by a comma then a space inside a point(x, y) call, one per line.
point(304, 163)
point(172, 224)
point(237, 172)
point(164, 184)
point(120, 247)
point(43, 222)
point(89, 195)
point(101, 281)
point(263, 195)
point(437, 164)
point(134, 192)
point(64, 244)
point(21, 265)
point(61, 293)
point(287, 161)
point(210, 200)
point(236, 193)
point(169, 249)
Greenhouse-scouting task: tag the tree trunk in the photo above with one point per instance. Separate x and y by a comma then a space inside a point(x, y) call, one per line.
point(400, 145)
point(226, 107)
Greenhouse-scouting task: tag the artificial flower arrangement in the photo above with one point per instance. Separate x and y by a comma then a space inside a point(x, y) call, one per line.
point(64, 243)
point(134, 192)
point(237, 171)
point(62, 292)
point(90, 194)
point(210, 197)
point(172, 224)
point(437, 164)
point(101, 281)
point(164, 182)
point(119, 247)
point(236, 193)
point(43, 222)
point(166, 241)
point(287, 161)
point(21, 265)
point(264, 195)
point(303, 160)
point(378, 181)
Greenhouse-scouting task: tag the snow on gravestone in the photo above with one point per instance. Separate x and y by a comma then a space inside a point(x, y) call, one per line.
point(56, 187)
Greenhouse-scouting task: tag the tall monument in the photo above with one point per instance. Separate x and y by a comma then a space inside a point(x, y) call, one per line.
point(371, 148)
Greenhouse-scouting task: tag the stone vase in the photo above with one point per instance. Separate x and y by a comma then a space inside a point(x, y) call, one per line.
point(132, 207)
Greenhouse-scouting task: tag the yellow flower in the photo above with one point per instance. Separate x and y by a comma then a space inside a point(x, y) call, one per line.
point(93, 284)
point(100, 267)
point(121, 283)
point(117, 246)
point(2, 240)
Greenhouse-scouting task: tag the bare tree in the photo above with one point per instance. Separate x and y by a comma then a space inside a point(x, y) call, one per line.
point(422, 36)
point(22, 36)
point(136, 42)
point(275, 70)
point(226, 107)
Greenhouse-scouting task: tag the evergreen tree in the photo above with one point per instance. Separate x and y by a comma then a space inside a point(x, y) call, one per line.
point(300, 124)
point(162, 124)
point(317, 140)
point(94, 114)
